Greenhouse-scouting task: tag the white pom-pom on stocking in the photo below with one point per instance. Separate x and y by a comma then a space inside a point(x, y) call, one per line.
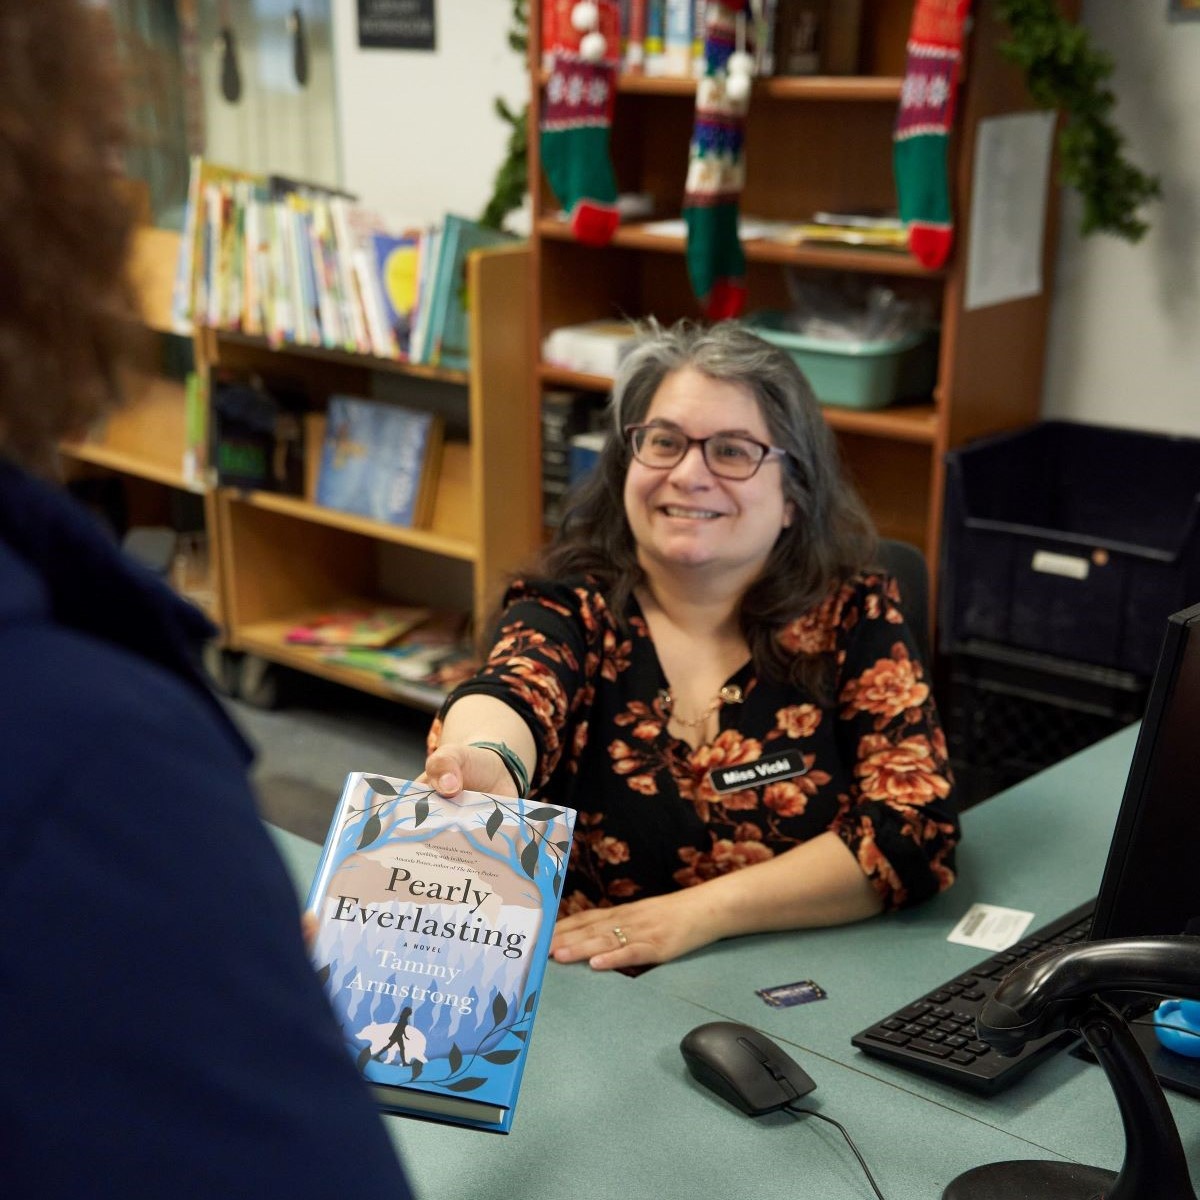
point(593, 46)
point(740, 63)
point(737, 87)
point(585, 15)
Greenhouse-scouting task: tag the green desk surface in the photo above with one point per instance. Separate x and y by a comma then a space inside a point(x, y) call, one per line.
point(607, 1106)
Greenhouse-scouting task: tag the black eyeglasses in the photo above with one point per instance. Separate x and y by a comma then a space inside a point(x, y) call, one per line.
point(729, 455)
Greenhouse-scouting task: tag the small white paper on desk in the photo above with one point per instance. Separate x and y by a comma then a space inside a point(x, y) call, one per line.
point(1008, 208)
point(990, 927)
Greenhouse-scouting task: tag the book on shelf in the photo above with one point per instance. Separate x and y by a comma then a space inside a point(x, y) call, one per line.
point(448, 335)
point(591, 347)
point(434, 920)
point(564, 414)
point(365, 627)
point(380, 460)
point(397, 267)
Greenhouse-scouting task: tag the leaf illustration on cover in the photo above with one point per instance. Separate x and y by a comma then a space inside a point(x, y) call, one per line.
point(565, 847)
point(364, 1057)
point(370, 831)
point(530, 1001)
point(493, 823)
point(323, 975)
point(500, 1057)
point(499, 1009)
point(529, 859)
point(420, 811)
point(466, 1085)
point(454, 1058)
point(543, 814)
point(521, 1033)
point(380, 787)
point(557, 883)
point(416, 1065)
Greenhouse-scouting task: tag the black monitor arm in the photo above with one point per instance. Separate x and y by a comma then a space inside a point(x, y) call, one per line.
point(1076, 989)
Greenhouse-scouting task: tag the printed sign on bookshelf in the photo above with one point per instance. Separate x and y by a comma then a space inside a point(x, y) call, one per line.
point(434, 924)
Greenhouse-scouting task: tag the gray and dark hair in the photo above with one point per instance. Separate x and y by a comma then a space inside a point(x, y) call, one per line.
point(831, 537)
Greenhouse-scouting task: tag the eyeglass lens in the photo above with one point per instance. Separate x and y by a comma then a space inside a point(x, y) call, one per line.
point(724, 453)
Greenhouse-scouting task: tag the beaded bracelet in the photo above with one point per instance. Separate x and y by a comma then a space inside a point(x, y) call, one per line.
point(512, 764)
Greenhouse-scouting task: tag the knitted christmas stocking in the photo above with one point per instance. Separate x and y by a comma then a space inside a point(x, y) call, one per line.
point(576, 118)
point(716, 167)
point(923, 126)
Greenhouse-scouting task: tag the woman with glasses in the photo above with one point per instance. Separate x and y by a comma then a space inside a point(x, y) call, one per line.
point(707, 667)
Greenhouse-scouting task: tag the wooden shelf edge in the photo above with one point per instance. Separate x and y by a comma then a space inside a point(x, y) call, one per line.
point(129, 464)
point(266, 639)
point(904, 422)
point(305, 510)
point(882, 88)
point(850, 258)
point(365, 361)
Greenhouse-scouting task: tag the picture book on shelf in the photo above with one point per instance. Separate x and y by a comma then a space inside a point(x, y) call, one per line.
point(379, 460)
point(397, 261)
point(434, 923)
point(364, 627)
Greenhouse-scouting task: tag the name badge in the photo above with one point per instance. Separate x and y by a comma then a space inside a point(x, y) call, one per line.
point(783, 765)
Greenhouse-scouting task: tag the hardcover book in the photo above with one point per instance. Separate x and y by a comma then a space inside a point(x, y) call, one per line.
point(380, 460)
point(434, 924)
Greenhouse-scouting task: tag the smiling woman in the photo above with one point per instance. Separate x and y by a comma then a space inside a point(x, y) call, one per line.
point(709, 667)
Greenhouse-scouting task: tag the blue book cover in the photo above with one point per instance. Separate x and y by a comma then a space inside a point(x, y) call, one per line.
point(397, 261)
point(434, 926)
point(449, 303)
point(379, 460)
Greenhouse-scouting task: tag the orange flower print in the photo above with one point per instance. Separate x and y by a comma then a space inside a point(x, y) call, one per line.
point(798, 720)
point(725, 856)
point(879, 870)
point(644, 785)
point(788, 797)
point(574, 903)
point(729, 749)
point(611, 850)
point(623, 889)
point(906, 773)
point(892, 686)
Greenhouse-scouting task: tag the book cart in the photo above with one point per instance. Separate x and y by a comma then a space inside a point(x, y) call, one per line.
point(277, 560)
point(816, 143)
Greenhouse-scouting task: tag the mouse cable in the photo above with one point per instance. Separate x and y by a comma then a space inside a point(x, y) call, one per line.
point(862, 1162)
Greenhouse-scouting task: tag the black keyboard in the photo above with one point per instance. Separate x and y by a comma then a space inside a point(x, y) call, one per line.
point(935, 1035)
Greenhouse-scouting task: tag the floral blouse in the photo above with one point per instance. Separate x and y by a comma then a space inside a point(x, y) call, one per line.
point(872, 767)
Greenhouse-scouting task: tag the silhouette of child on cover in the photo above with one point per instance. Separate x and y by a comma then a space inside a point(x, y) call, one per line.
point(406, 1038)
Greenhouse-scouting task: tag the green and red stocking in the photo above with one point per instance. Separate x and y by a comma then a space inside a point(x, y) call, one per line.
point(716, 164)
point(576, 119)
point(924, 123)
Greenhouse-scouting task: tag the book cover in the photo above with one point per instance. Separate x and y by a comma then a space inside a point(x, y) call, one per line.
point(434, 925)
point(379, 460)
point(372, 628)
point(397, 260)
point(449, 304)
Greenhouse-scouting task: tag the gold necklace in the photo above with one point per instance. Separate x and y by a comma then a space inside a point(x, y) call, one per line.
point(729, 694)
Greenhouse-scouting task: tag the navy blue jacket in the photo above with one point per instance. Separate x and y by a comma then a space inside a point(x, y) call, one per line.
point(162, 1032)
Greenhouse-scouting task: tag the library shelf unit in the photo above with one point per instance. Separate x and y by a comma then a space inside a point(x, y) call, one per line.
point(277, 559)
point(284, 558)
point(813, 143)
point(142, 446)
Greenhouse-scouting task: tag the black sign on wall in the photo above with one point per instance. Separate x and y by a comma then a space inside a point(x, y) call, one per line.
point(397, 24)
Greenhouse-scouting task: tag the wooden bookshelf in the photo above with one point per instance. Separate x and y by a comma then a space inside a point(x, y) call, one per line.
point(815, 143)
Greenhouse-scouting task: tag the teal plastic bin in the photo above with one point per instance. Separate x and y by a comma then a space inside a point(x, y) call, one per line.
point(851, 374)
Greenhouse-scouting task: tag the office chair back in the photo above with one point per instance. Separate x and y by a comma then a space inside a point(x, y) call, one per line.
point(907, 565)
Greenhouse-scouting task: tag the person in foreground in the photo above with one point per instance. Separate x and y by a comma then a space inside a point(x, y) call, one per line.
point(706, 665)
point(162, 1032)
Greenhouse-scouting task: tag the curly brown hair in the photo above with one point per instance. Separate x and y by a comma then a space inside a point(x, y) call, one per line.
point(66, 301)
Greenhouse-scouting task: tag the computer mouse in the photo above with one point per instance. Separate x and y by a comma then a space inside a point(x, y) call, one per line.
point(744, 1067)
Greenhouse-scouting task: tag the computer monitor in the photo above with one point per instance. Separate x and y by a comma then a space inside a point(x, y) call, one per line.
point(1151, 882)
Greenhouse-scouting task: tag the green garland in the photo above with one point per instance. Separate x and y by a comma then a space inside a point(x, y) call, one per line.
point(1065, 72)
point(511, 181)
